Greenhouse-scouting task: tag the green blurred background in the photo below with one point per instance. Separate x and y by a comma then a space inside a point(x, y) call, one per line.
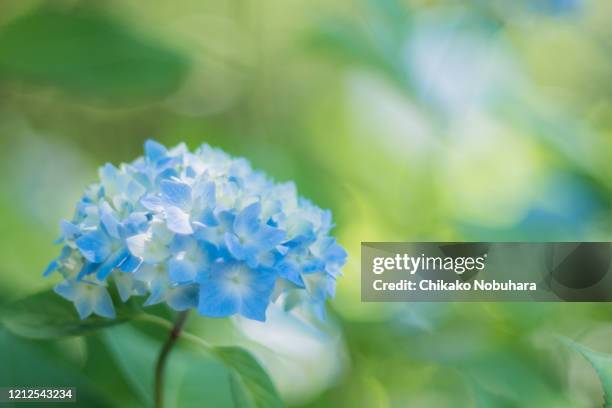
point(415, 120)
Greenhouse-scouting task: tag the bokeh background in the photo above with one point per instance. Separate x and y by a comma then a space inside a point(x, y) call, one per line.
point(411, 120)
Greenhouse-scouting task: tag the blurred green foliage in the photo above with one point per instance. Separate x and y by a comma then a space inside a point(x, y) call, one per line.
point(81, 52)
point(411, 120)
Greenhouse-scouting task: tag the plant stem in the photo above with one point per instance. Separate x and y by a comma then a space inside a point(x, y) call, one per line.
point(195, 340)
point(162, 359)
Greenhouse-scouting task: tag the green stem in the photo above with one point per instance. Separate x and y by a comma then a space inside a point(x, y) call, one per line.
point(160, 321)
point(162, 359)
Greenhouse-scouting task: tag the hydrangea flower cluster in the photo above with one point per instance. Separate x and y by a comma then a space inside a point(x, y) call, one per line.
point(195, 230)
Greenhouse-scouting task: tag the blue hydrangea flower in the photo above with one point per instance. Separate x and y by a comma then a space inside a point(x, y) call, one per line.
point(196, 230)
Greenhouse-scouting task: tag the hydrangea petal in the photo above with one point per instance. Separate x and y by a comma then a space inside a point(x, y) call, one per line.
point(236, 248)
point(146, 248)
point(52, 267)
point(153, 203)
point(247, 222)
point(102, 303)
point(154, 151)
point(292, 273)
point(130, 264)
point(87, 269)
point(109, 221)
point(254, 305)
point(268, 237)
point(178, 221)
point(84, 306)
point(127, 285)
point(70, 232)
point(95, 246)
point(233, 287)
point(176, 194)
point(66, 289)
point(183, 297)
point(112, 262)
point(180, 271)
point(214, 302)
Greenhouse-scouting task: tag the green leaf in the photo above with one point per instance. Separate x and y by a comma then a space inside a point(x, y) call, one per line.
point(601, 362)
point(47, 315)
point(88, 54)
point(192, 376)
point(251, 385)
point(29, 363)
point(487, 398)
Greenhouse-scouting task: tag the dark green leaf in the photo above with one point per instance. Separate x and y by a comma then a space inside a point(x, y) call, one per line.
point(192, 376)
point(601, 362)
point(88, 54)
point(47, 315)
point(251, 385)
point(27, 363)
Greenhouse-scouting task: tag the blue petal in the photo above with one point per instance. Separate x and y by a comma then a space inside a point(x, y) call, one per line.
point(66, 290)
point(235, 248)
point(291, 272)
point(214, 298)
point(84, 307)
point(232, 287)
point(247, 221)
point(135, 190)
point(312, 266)
point(226, 219)
point(183, 297)
point(127, 286)
point(336, 253)
point(320, 286)
point(130, 264)
point(109, 221)
point(136, 223)
point(165, 175)
point(301, 234)
point(112, 262)
point(319, 310)
point(206, 192)
point(176, 193)
point(214, 302)
point(95, 246)
point(152, 203)
point(255, 308)
point(70, 232)
point(66, 252)
point(142, 177)
point(158, 293)
point(124, 283)
point(330, 286)
point(178, 221)
point(268, 237)
point(180, 243)
point(254, 305)
point(190, 172)
point(51, 268)
point(154, 150)
point(108, 174)
point(87, 269)
point(207, 218)
point(168, 162)
point(181, 271)
point(102, 304)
